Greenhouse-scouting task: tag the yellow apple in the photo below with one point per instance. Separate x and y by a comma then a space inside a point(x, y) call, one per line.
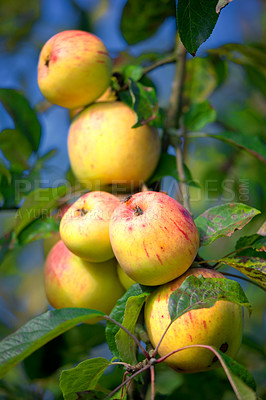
point(84, 227)
point(72, 282)
point(219, 326)
point(105, 150)
point(74, 69)
point(154, 238)
point(126, 281)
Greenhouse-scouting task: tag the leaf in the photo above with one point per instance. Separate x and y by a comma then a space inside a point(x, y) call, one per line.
point(254, 241)
point(221, 4)
point(196, 20)
point(5, 172)
point(23, 115)
point(167, 167)
point(134, 72)
point(4, 246)
point(16, 148)
point(124, 343)
point(83, 377)
point(140, 20)
point(38, 229)
point(199, 292)
point(241, 380)
point(223, 220)
point(38, 203)
point(143, 100)
point(251, 144)
point(198, 115)
point(253, 267)
point(118, 314)
point(40, 330)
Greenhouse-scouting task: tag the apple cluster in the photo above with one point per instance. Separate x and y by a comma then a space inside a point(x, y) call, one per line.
point(106, 245)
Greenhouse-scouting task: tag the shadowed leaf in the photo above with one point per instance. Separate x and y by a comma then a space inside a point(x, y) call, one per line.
point(40, 330)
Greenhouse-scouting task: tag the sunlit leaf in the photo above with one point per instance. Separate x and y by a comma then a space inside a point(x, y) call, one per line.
point(199, 292)
point(253, 267)
point(39, 202)
point(118, 313)
point(223, 220)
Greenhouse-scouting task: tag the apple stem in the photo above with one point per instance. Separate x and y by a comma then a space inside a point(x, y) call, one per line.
point(138, 210)
point(133, 337)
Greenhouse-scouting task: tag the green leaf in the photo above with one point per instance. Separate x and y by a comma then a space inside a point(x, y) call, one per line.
point(253, 267)
point(40, 330)
point(118, 314)
point(140, 20)
point(251, 144)
point(16, 148)
point(83, 377)
point(167, 167)
point(23, 115)
point(198, 115)
point(203, 75)
point(38, 229)
point(4, 246)
point(38, 203)
point(143, 100)
point(223, 220)
point(254, 241)
point(199, 292)
point(196, 20)
point(134, 72)
point(5, 172)
point(124, 343)
point(241, 380)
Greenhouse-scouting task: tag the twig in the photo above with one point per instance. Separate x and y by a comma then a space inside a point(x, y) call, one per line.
point(167, 60)
point(128, 380)
point(152, 382)
point(133, 337)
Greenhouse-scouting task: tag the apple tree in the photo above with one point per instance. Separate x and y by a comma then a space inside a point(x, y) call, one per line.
point(212, 131)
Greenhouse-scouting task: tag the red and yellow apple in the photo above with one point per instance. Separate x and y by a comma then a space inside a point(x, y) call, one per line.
point(74, 68)
point(219, 326)
point(154, 238)
point(72, 282)
point(105, 150)
point(84, 227)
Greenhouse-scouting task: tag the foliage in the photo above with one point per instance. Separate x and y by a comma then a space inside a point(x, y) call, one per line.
point(231, 151)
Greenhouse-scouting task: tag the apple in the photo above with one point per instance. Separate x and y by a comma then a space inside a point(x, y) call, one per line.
point(126, 281)
point(105, 150)
point(84, 227)
point(72, 282)
point(219, 326)
point(74, 68)
point(154, 238)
